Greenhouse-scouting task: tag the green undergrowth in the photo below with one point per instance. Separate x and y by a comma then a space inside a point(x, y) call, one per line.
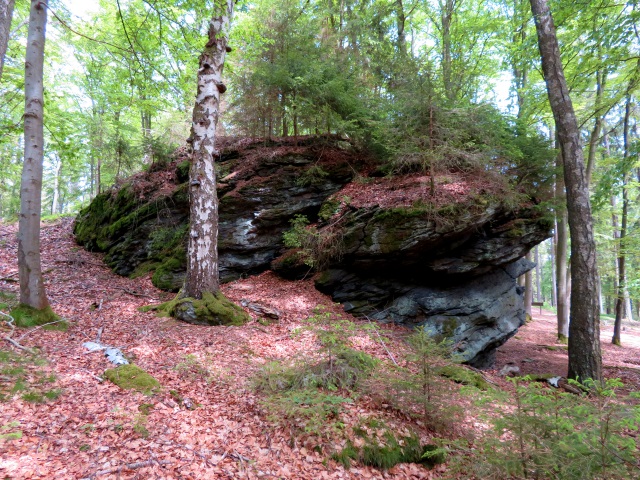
point(383, 449)
point(311, 392)
point(132, 377)
point(541, 432)
point(212, 309)
point(25, 376)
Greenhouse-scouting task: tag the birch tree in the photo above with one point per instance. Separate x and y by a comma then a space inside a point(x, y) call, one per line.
point(200, 300)
point(585, 360)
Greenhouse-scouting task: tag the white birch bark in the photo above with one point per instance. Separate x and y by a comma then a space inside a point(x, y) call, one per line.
point(202, 262)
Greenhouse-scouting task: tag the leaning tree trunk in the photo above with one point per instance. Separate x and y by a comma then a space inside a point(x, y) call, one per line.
point(6, 14)
point(585, 359)
point(202, 262)
point(31, 283)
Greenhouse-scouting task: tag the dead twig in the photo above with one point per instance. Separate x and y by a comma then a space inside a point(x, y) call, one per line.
point(8, 338)
point(128, 466)
point(9, 278)
point(136, 294)
point(41, 326)
point(382, 341)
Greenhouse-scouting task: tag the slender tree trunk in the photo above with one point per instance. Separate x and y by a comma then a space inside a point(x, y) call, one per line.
point(552, 259)
point(446, 17)
point(32, 291)
point(202, 262)
point(401, 41)
point(528, 288)
point(6, 15)
point(601, 78)
point(620, 300)
point(585, 359)
point(561, 244)
point(538, 275)
point(56, 187)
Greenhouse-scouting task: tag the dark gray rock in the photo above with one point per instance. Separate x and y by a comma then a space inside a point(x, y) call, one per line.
point(477, 314)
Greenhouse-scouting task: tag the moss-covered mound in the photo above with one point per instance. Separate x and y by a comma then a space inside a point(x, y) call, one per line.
point(132, 377)
point(213, 309)
point(27, 317)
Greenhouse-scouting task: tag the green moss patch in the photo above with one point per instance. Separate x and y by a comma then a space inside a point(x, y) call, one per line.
point(22, 374)
point(132, 377)
point(213, 309)
point(460, 374)
point(27, 317)
point(169, 275)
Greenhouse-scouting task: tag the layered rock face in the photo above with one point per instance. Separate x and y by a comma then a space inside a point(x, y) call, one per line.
point(444, 254)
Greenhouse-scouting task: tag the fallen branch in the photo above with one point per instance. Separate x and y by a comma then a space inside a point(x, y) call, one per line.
point(382, 341)
point(136, 294)
point(9, 278)
point(80, 262)
point(41, 326)
point(9, 338)
point(128, 466)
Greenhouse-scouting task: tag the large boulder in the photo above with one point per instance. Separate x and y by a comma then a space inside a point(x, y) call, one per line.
point(443, 253)
point(142, 224)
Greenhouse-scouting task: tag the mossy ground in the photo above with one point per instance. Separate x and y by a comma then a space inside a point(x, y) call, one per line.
point(464, 376)
point(212, 309)
point(24, 375)
point(27, 317)
point(132, 377)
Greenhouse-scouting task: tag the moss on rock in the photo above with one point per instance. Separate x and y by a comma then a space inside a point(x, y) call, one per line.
point(169, 275)
point(132, 377)
point(460, 374)
point(213, 309)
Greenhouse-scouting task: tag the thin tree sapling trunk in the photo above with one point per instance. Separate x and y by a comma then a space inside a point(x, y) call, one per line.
point(620, 294)
point(585, 359)
point(6, 15)
point(32, 291)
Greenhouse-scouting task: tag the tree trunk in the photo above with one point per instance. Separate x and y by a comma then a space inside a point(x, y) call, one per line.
point(446, 17)
point(55, 201)
point(31, 283)
point(6, 15)
point(528, 288)
point(585, 359)
point(538, 275)
point(561, 244)
point(601, 78)
point(401, 41)
point(552, 259)
point(202, 262)
point(620, 294)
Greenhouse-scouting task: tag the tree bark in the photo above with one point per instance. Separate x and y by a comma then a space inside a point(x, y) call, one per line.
point(528, 288)
point(620, 300)
point(31, 283)
point(202, 264)
point(6, 15)
point(561, 244)
point(585, 359)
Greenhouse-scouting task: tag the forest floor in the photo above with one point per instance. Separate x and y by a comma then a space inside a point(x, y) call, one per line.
point(93, 429)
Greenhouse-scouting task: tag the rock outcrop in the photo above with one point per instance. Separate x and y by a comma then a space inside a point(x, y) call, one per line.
point(443, 253)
